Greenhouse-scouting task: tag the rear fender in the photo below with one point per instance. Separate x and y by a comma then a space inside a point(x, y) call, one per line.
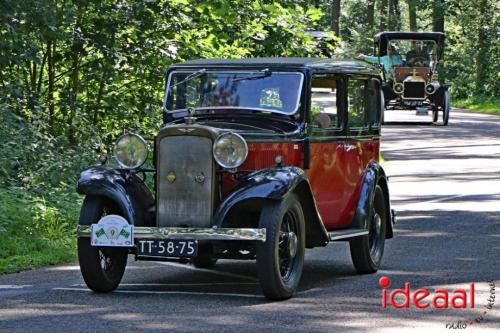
point(374, 174)
point(126, 190)
point(274, 184)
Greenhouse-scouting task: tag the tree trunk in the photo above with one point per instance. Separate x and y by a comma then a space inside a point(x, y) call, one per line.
point(482, 47)
point(51, 49)
point(384, 14)
point(438, 10)
point(370, 14)
point(395, 15)
point(335, 22)
point(412, 14)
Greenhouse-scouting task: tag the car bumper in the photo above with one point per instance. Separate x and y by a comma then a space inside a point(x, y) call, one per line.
point(210, 234)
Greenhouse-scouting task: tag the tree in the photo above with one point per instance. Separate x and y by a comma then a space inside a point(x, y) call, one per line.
point(438, 12)
point(335, 20)
point(384, 14)
point(412, 15)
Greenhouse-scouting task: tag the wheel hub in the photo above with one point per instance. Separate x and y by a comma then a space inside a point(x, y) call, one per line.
point(378, 223)
point(291, 240)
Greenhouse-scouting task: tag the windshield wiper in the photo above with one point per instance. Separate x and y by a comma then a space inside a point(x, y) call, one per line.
point(262, 74)
point(189, 78)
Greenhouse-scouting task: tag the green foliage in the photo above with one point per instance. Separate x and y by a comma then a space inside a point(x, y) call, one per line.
point(480, 103)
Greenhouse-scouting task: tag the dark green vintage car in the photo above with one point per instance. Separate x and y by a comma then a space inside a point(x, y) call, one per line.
point(410, 71)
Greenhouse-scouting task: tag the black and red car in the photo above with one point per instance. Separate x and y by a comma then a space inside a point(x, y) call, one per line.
point(256, 159)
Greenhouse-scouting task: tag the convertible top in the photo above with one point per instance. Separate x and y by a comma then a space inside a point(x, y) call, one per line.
point(383, 37)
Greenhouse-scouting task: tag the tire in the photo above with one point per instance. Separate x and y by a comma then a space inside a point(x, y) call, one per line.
point(281, 258)
point(367, 251)
point(203, 262)
point(102, 268)
point(435, 114)
point(446, 107)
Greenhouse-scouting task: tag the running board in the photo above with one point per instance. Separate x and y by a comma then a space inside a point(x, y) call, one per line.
point(348, 233)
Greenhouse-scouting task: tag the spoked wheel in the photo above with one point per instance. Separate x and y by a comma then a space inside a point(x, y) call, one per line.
point(281, 258)
point(446, 107)
point(367, 251)
point(102, 268)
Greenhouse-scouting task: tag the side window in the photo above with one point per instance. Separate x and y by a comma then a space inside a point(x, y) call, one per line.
point(373, 102)
point(357, 101)
point(324, 102)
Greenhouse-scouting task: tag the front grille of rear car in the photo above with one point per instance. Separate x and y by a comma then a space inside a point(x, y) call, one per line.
point(414, 90)
point(185, 181)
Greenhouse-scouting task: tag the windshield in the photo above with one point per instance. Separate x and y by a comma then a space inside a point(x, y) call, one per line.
point(254, 90)
point(414, 53)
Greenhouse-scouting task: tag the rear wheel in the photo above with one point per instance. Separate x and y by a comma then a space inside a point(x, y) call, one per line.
point(102, 268)
point(281, 258)
point(446, 107)
point(367, 251)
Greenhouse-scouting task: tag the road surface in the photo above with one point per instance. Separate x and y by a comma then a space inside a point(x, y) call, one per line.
point(445, 185)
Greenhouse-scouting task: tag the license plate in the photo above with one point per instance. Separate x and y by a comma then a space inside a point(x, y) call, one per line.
point(112, 230)
point(179, 248)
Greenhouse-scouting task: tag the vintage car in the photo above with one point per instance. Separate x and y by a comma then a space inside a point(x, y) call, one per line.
point(412, 80)
point(257, 159)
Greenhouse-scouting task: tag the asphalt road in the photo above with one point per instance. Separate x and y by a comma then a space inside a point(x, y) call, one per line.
point(445, 185)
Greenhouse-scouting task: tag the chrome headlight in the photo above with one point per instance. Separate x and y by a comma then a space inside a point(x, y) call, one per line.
point(130, 151)
point(230, 150)
point(399, 88)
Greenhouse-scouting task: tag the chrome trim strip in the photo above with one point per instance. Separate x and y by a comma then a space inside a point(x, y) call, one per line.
point(342, 235)
point(190, 233)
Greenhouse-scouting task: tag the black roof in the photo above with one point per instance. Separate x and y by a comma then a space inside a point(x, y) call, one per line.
point(320, 64)
point(438, 37)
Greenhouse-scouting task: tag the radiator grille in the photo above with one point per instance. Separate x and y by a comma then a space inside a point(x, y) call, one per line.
point(414, 90)
point(185, 177)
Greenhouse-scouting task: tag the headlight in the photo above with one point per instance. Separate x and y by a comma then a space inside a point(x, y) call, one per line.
point(130, 151)
point(230, 150)
point(399, 88)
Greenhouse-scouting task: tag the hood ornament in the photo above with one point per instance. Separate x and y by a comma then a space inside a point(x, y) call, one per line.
point(190, 119)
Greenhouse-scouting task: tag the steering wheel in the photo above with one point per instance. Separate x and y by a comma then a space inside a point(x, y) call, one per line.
point(417, 62)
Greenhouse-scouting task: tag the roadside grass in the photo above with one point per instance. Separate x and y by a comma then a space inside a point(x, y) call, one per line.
point(36, 230)
point(482, 104)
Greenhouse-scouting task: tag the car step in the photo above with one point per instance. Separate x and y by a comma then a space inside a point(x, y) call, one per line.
point(348, 233)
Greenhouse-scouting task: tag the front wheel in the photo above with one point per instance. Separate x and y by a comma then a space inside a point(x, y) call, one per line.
point(102, 268)
point(281, 258)
point(435, 114)
point(367, 251)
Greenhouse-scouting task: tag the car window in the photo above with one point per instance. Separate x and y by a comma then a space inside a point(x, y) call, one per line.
point(373, 102)
point(356, 113)
point(324, 103)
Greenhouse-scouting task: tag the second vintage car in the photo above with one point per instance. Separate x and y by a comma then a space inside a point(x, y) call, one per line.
point(257, 159)
point(411, 78)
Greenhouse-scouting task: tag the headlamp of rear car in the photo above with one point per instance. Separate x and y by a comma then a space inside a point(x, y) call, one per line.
point(130, 151)
point(230, 150)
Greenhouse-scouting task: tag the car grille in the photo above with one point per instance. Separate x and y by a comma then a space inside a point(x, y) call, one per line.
point(414, 90)
point(184, 181)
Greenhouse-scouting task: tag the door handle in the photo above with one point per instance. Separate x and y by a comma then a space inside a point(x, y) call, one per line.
point(348, 147)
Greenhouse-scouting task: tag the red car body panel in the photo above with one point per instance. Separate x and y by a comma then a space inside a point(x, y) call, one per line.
point(335, 172)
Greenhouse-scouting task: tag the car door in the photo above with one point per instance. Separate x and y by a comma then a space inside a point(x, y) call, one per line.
point(325, 172)
point(362, 141)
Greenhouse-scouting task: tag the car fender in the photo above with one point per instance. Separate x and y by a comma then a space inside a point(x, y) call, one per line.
point(374, 174)
point(274, 184)
point(126, 190)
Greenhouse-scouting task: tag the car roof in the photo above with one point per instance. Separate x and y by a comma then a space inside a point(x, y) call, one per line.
point(318, 64)
point(438, 37)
